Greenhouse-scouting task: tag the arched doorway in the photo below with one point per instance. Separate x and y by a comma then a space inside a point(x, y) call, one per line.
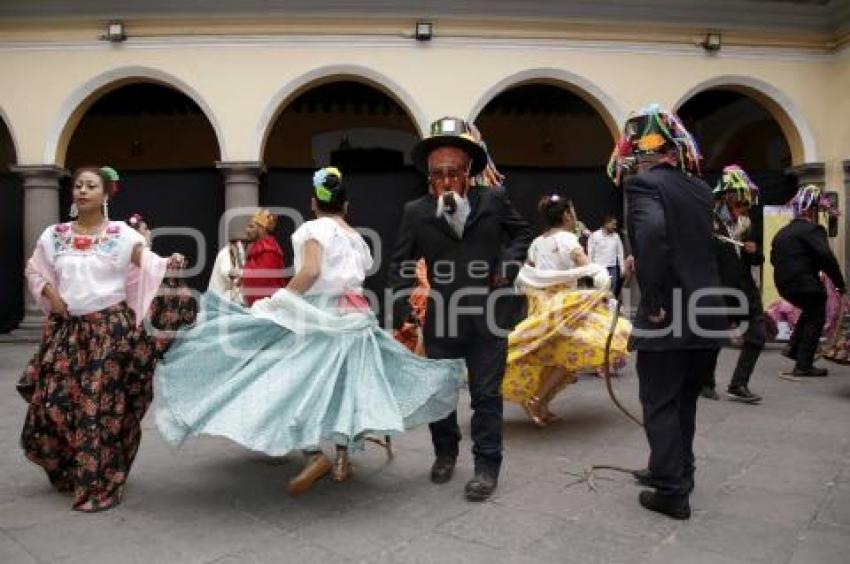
point(547, 138)
point(165, 149)
point(733, 127)
point(367, 134)
point(11, 235)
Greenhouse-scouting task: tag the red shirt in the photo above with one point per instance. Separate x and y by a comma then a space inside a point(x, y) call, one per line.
point(263, 272)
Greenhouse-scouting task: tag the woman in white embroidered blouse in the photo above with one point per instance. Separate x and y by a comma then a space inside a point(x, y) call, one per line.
point(566, 327)
point(310, 364)
point(90, 382)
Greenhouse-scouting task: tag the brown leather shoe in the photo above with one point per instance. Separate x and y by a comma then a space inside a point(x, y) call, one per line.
point(316, 466)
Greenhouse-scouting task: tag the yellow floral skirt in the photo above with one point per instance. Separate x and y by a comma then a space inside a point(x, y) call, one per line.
point(564, 327)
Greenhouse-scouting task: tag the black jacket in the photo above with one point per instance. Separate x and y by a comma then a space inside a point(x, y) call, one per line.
point(735, 269)
point(669, 217)
point(799, 252)
point(495, 240)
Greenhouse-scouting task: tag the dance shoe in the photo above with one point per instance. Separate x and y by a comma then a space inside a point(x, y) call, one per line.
point(316, 466)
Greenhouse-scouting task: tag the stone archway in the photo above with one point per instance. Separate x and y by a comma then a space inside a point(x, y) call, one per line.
point(165, 148)
point(358, 126)
point(784, 111)
point(733, 127)
point(549, 136)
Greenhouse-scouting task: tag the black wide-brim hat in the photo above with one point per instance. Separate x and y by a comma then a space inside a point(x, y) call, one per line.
point(450, 132)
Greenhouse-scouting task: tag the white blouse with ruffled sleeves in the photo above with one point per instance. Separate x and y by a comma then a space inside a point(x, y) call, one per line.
point(91, 269)
point(345, 256)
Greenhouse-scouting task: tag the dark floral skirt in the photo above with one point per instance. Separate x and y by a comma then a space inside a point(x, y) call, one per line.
point(88, 388)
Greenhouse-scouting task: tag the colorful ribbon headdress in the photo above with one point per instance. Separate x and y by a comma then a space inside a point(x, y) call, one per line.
point(738, 182)
point(490, 176)
point(653, 131)
point(810, 196)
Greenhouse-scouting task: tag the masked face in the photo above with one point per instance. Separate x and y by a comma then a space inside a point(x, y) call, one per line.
point(737, 208)
point(448, 170)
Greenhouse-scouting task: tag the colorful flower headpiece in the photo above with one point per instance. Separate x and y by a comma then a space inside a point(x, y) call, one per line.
point(653, 131)
point(112, 179)
point(810, 196)
point(327, 184)
point(736, 181)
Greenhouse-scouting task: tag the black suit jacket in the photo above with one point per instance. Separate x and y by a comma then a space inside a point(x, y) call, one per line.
point(799, 252)
point(460, 269)
point(670, 228)
point(735, 269)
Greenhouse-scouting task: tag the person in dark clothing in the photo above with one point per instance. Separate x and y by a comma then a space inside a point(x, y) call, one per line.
point(669, 218)
point(737, 253)
point(800, 251)
point(473, 242)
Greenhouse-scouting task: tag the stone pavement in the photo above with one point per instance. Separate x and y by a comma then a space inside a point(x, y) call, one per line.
point(773, 485)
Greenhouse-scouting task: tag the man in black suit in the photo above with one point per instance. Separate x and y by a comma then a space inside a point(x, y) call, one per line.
point(473, 242)
point(737, 254)
point(669, 218)
point(799, 253)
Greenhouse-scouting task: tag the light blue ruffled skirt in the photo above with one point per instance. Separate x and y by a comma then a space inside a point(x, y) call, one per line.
point(292, 372)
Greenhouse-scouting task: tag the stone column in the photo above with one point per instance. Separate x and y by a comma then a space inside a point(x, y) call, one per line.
point(809, 173)
point(41, 209)
point(241, 188)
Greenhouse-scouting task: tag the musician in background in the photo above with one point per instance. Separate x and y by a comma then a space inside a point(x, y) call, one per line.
point(226, 276)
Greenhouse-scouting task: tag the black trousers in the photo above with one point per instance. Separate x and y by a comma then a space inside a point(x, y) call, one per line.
point(485, 361)
point(670, 382)
point(754, 339)
point(616, 280)
point(804, 340)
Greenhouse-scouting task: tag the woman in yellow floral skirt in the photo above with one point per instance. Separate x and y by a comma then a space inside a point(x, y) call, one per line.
point(566, 328)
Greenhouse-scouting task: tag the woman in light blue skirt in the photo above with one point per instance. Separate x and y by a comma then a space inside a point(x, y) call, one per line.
point(308, 364)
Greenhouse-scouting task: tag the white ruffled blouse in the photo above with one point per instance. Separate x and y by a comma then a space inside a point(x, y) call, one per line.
point(91, 270)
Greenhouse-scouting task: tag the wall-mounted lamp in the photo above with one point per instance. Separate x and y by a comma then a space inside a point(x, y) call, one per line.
point(711, 42)
point(423, 31)
point(114, 32)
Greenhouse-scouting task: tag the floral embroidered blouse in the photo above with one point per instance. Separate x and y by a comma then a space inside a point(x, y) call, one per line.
point(91, 270)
